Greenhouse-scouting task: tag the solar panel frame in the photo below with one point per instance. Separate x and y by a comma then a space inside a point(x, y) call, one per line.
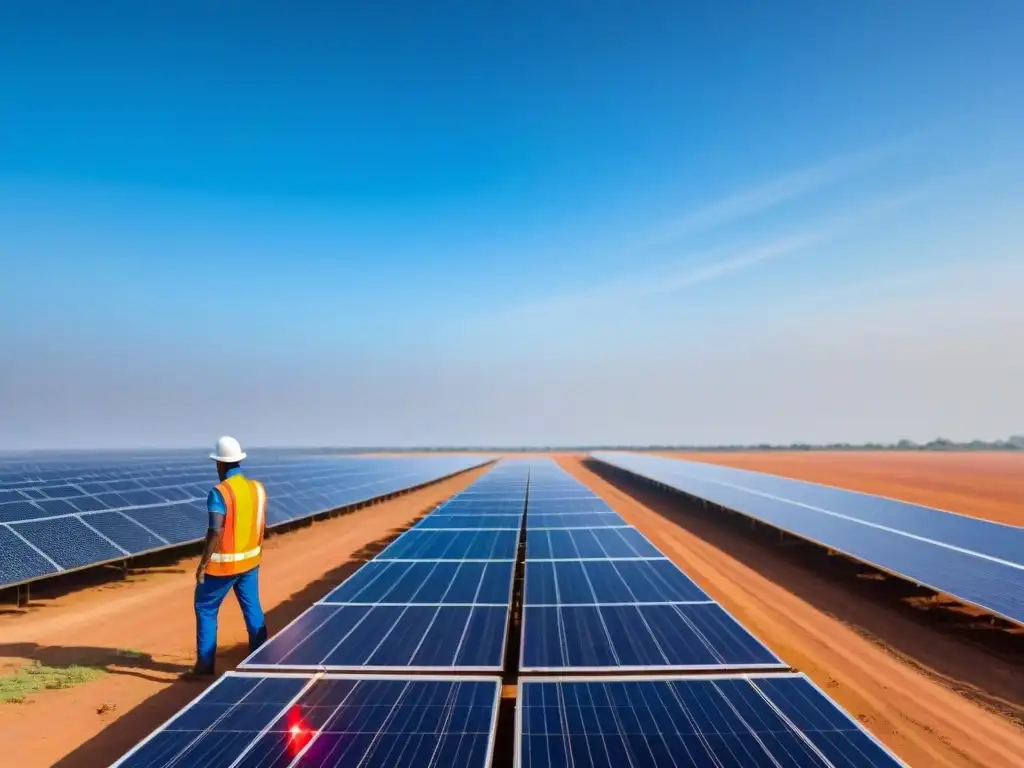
point(311, 680)
point(673, 678)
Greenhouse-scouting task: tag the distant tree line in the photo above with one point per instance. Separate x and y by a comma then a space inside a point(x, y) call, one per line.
point(1014, 443)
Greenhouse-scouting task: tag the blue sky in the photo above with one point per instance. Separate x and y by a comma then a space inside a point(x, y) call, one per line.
point(409, 223)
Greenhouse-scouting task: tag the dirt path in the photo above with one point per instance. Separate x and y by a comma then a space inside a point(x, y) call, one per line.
point(904, 681)
point(982, 484)
point(93, 724)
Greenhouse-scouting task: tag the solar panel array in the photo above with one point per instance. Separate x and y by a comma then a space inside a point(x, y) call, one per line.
point(438, 599)
point(976, 561)
point(601, 598)
point(389, 668)
point(71, 514)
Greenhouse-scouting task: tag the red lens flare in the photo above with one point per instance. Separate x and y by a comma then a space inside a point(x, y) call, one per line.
point(299, 734)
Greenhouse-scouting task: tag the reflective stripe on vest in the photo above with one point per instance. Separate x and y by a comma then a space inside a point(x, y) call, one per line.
point(234, 557)
point(240, 547)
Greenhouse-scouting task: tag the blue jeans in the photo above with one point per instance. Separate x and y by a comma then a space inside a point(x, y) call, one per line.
point(210, 594)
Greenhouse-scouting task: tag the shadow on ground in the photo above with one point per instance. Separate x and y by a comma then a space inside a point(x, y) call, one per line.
point(111, 743)
point(116, 661)
point(981, 658)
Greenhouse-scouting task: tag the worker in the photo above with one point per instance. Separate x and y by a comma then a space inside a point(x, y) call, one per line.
point(237, 509)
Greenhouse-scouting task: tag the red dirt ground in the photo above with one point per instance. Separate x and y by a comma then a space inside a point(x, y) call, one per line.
point(93, 724)
point(933, 697)
point(982, 484)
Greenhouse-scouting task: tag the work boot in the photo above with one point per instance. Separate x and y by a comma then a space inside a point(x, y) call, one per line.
point(201, 670)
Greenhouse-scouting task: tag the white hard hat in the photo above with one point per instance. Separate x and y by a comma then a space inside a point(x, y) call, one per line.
point(228, 451)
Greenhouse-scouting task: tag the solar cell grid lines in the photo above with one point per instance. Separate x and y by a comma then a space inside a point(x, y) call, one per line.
point(744, 720)
point(79, 514)
point(274, 721)
point(976, 561)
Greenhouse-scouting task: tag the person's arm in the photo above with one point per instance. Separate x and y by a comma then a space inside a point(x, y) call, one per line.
point(217, 511)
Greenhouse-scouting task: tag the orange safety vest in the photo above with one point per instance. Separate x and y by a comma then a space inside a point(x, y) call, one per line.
point(244, 525)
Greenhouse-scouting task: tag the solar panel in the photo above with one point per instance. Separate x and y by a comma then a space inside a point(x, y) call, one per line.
point(975, 561)
point(470, 522)
point(578, 582)
point(65, 515)
point(389, 637)
point(748, 720)
point(600, 543)
point(273, 721)
point(674, 636)
point(422, 544)
point(429, 582)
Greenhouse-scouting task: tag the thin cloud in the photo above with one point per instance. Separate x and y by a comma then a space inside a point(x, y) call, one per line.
point(763, 197)
point(698, 269)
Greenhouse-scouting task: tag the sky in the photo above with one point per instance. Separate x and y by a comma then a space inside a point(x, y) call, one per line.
point(530, 223)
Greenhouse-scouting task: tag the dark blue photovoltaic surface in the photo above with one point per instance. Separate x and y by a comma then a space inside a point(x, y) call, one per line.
point(219, 725)
point(1005, 542)
point(19, 510)
point(688, 722)
point(125, 532)
point(968, 573)
point(427, 582)
point(642, 636)
point(610, 581)
point(598, 543)
point(583, 505)
point(574, 520)
point(387, 636)
point(68, 541)
point(417, 544)
point(340, 721)
point(835, 734)
point(177, 523)
point(20, 562)
point(454, 522)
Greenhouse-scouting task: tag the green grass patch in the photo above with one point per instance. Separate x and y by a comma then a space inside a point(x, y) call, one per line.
point(37, 677)
point(130, 653)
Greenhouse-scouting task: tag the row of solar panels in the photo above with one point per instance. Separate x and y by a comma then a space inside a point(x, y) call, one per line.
point(115, 489)
point(325, 720)
point(83, 522)
point(976, 561)
point(597, 598)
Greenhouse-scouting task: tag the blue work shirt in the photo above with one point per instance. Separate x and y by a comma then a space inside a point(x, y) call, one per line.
point(215, 502)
